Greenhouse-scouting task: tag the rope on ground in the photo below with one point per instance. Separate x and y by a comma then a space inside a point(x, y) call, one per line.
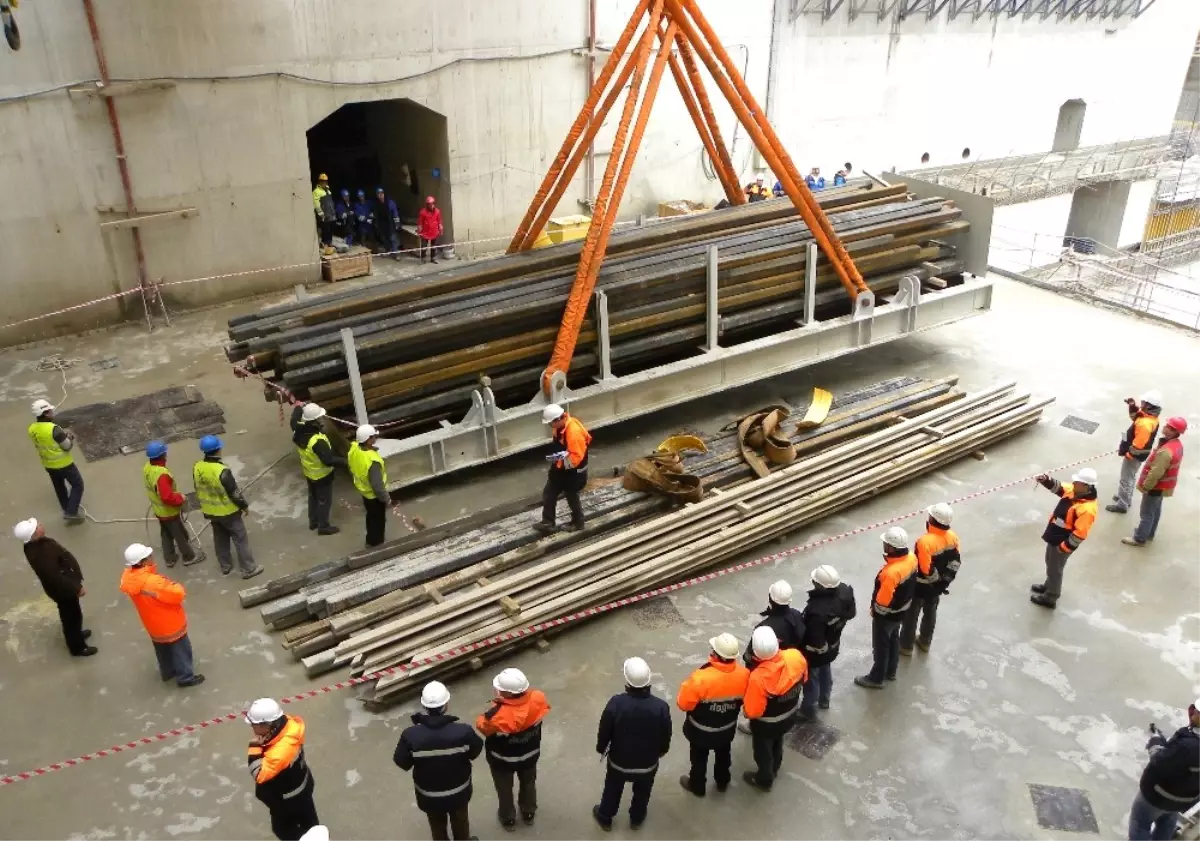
point(62, 364)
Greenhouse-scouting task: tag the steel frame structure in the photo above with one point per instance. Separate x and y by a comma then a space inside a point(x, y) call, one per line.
point(1058, 10)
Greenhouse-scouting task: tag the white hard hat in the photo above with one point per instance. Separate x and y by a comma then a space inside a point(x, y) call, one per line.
point(764, 643)
point(511, 680)
point(317, 833)
point(552, 413)
point(1086, 475)
point(781, 592)
point(637, 672)
point(726, 645)
point(264, 711)
point(1153, 398)
point(435, 695)
point(311, 412)
point(40, 407)
point(826, 576)
point(941, 512)
point(23, 531)
point(896, 537)
point(365, 433)
point(759, 177)
point(135, 553)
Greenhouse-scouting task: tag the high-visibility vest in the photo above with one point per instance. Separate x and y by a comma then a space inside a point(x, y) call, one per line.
point(53, 457)
point(151, 473)
point(1171, 477)
point(360, 462)
point(310, 463)
point(213, 500)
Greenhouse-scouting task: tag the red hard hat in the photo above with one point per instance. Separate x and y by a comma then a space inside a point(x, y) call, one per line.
point(429, 200)
point(1178, 424)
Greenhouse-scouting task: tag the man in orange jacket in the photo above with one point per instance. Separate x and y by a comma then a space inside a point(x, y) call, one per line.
point(159, 603)
point(279, 768)
point(938, 561)
point(772, 695)
point(711, 697)
point(895, 586)
point(512, 738)
point(1069, 525)
point(568, 468)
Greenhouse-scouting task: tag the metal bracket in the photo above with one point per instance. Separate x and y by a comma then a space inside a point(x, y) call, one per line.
point(909, 296)
point(558, 388)
point(603, 342)
point(862, 317)
point(712, 316)
point(350, 352)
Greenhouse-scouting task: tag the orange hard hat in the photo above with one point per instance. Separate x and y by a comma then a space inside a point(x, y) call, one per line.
point(1177, 423)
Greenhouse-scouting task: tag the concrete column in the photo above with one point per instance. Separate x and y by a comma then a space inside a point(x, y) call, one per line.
point(1097, 211)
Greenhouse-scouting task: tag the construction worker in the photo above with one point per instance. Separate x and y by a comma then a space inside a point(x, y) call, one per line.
point(1068, 527)
point(54, 444)
point(712, 696)
point(439, 750)
point(815, 180)
point(777, 189)
point(363, 217)
point(224, 506)
point(429, 228)
point(757, 191)
point(772, 694)
point(326, 214)
point(512, 731)
point(159, 603)
point(282, 778)
point(1135, 446)
point(370, 480)
point(895, 584)
point(317, 461)
point(1158, 478)
point(839, 178)
point(830, 606)
point(1170, 783)
point(784, 620)
point(385, 218)
point(62, 582)
point(344, 211)
point(167, 503)
point(634, 734)
point(568, 468)
point(938, 560)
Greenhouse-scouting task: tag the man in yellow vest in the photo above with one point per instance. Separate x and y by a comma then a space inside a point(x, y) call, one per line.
point(53, 445)
point(223, 504)
point(370, 480)
point(317, 462)
point(167, 503)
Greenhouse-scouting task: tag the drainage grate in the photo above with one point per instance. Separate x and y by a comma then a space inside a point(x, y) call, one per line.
point(1063, 809)
point(1079, 424)
point(656, 614)
point(105, 364)
point(812, 738)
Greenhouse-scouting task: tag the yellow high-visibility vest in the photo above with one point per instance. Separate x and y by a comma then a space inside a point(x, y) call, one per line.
point(53, 457)
point(213, 500)
point(151, 473)
point(310, 463)
point(360, 462)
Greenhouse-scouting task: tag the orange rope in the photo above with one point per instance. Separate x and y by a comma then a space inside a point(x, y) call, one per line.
point(732, 190)
point(722, 162)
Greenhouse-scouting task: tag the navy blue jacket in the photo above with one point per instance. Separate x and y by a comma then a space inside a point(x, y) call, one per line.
point(1171, 779)
point(786, 622)
point(635, 731)
point(825, 617)
point(439, 750)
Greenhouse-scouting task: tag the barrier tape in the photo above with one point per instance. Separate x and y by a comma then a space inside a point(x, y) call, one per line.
point(508, 636)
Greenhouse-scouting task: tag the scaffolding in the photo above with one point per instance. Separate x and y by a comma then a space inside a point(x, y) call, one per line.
point(1056, 10)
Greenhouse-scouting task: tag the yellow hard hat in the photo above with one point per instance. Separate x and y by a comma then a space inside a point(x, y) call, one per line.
point(322, 177)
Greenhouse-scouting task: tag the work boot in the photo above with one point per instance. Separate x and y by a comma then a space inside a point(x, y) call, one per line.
point(866, 682)
point(86, 651)
point(1116, 508)
point(198, 558)
point(923, 644)
point(246, 576)
point(823, 704)
point(171, 563)
point(527, 818)
point(1043, 600)
point(751, 779)
point(686, 782)
point(86, 634)
point(1037, 588)
point(545, 528)
point(509, 824)
point(605, 825)
point(891, 677)
point(328, 530)
point(1129, 541)
point(573, 526)
point(194, 680)
point(906, 652)
point(74, 519)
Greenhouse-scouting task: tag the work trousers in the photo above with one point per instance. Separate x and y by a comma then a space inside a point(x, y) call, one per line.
point(430, 244)
point(698, 773)
point(175, 660)
point(1150, 823)
point(459, 823)
point(388, 241)
point(1148, 515)
point(923, 607)
point(818, 686)
point(298, 817)
point(1127, 482)
point(376, 520)
point(68, 487)
point(768, 756)
point(320, 501)
point(175, 541)
point(614, 788)
point(231, 528)
point(70, 614)
point(1056, 562)
point(325, 230)
point(566, 483)
point(885, 646)
point(526, 781)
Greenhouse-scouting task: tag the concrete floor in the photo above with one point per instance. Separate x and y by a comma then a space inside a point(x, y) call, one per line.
point(1010, 694)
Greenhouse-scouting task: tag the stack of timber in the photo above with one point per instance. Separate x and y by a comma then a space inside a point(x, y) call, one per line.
point(423, 343)
point(472, 579)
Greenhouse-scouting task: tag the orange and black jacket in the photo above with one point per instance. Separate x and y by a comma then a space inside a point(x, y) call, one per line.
point(773, 692)
point(895, 586)
point(575, 439)
point(512, 730)
point(1138, 440)
point(280, 771)
point(1072, 518)
point(712, 697)
point(938, 559)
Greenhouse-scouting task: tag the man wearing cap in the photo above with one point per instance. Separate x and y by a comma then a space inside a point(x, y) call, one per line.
point(439, 750)
point(370, 480)
point(54, 445)
point(568, 468)
point(1170, 783)
point(1135, 446)
point(1157, 480)
point(634, 733)
point(279, 768)
point(512, 731)
point(159, 603)
point(317, 462)
point(386, 218)
point(323, 207)
point(895, 584)
point(167, 503)
point(830, 606)
point(222, 503)
point(712, 697)
point(61, 580)
point(938, 561)
point(1068, 527)
point(772, 694)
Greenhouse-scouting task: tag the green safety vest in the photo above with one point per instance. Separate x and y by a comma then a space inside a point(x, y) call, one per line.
point(312, 466)
point(213, 500)
point(151, 473)
point(53, 457)
point(360, 462)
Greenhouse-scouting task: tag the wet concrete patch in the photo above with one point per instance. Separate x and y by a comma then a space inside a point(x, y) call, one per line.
point(169, 414)
point(656, 614)
point(1063, 809)
point(812, 738)
point(1079, 424)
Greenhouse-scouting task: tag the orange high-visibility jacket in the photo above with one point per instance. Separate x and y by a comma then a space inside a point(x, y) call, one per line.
point(575, 439)
point(774, 679)
point(159, 602)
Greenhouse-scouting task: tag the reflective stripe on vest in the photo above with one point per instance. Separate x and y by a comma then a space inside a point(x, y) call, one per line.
point(617, 767)
point(502, 758)
point(314, 469)
point(716, 708)
point(1158, 789)
point(786, 703)
point(423, 754)
point(1169, 478)
point(692, 721)
point(151, 473)
point(53, 457)
point(360, 462)
point(446, 793)
point(213, 500)
point(881, 611)
point(298, 790)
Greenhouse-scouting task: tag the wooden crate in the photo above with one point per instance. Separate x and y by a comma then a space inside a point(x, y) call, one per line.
point(341, 266)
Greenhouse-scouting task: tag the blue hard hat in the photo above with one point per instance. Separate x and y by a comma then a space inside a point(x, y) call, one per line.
point(362, 194)
point(210, 444)
point(345, 192)
point(379, 190)
point(156, 449)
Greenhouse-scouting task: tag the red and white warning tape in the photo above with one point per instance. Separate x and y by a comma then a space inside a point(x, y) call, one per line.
point(517, 633)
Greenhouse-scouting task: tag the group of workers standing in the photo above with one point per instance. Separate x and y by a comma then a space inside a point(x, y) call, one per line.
point(757, 190)
point(377, 221)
